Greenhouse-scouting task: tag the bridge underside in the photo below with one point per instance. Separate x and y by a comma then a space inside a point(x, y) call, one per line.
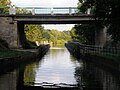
point(12, 26)
point(55, 22)
point(54, 19)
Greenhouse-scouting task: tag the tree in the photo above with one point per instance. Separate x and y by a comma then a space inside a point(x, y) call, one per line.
point(3, 6)
point(84, 33)
point(22, 11)
point(38, 33)
point(108, 12)
point(33, 32)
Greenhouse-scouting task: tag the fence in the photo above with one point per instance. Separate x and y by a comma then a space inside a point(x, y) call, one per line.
point(109, 51)
point(92, 49)
point(41, 10)
point(37, 10)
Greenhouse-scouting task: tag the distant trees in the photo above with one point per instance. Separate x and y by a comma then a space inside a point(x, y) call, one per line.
point(22, 11)
point(38, 33)
point(3, 4)
point(33, 32)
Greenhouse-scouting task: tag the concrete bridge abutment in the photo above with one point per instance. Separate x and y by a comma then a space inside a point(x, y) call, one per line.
point(101, 37)
point(9, 32)
point(21, 35)
point(12, 28)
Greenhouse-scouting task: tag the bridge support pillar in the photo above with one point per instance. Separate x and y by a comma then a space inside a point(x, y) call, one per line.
point(21, 35)
point(8, 31)
point(101, 37)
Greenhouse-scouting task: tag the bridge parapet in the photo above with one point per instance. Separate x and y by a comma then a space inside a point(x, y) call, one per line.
point(50, 10)
point(40, 10)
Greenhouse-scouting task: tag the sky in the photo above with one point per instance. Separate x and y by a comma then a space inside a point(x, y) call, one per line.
point(48, 3)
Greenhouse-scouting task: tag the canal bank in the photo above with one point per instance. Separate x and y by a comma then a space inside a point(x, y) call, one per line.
point(80, 52)
point(23, 56)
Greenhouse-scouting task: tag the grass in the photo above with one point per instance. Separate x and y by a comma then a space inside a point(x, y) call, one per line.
point(5, 52)
point(11, 53)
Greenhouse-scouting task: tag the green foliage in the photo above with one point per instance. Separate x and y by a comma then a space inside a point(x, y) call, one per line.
point(3, 6)
point(38, 33)
point(33, 32)
point(11, 53)
point(106, 10)
point(4, 2)
point(32, 44)
point(29, 74)
point(85, 33)
point(84, 5)
point(22, 11)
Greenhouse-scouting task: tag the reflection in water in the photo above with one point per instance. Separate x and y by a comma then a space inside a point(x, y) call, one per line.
point(92, 77)
point(56, 67)
point(59, 67)
point(8, 81)
point(29, 74)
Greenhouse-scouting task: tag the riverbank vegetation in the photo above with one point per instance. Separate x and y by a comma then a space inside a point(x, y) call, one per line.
point(106, 11)
point(6, 52)
point(11, 53)
point(108, 14)
point(46, 36)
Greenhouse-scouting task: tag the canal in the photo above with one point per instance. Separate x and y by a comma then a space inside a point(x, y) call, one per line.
point(59, 69)
point(56, 67)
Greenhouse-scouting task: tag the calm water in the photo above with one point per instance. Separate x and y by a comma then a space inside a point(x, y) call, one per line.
point(57, 67)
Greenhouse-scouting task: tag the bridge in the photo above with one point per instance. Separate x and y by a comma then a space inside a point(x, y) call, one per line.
point(43, 15)
point(13, 20)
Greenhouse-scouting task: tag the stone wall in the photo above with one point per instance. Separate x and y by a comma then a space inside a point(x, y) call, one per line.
point(8, 81)
point(101, 37)
point(8, 31)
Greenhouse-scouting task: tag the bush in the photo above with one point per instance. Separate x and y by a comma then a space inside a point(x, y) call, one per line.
point(32, 44)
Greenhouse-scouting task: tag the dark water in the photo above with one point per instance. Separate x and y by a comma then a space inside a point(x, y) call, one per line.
point(57, 67)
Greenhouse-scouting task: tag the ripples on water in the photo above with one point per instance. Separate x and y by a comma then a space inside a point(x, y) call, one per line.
point(58, 67)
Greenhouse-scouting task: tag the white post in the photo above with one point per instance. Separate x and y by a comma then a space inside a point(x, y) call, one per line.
point(52, 11)
point(12, 10)
point(70, 11)
point(33, 11)
point(88, 11)
point(37, 43)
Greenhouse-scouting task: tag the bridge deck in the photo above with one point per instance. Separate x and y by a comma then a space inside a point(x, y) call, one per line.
point(48, 15)
point(52, 19)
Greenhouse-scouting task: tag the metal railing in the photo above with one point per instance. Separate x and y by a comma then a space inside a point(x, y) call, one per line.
point(108, 51)
point(92, 49)
point(38, 10)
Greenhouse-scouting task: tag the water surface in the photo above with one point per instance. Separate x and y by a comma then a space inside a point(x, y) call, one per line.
point(57, 66)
